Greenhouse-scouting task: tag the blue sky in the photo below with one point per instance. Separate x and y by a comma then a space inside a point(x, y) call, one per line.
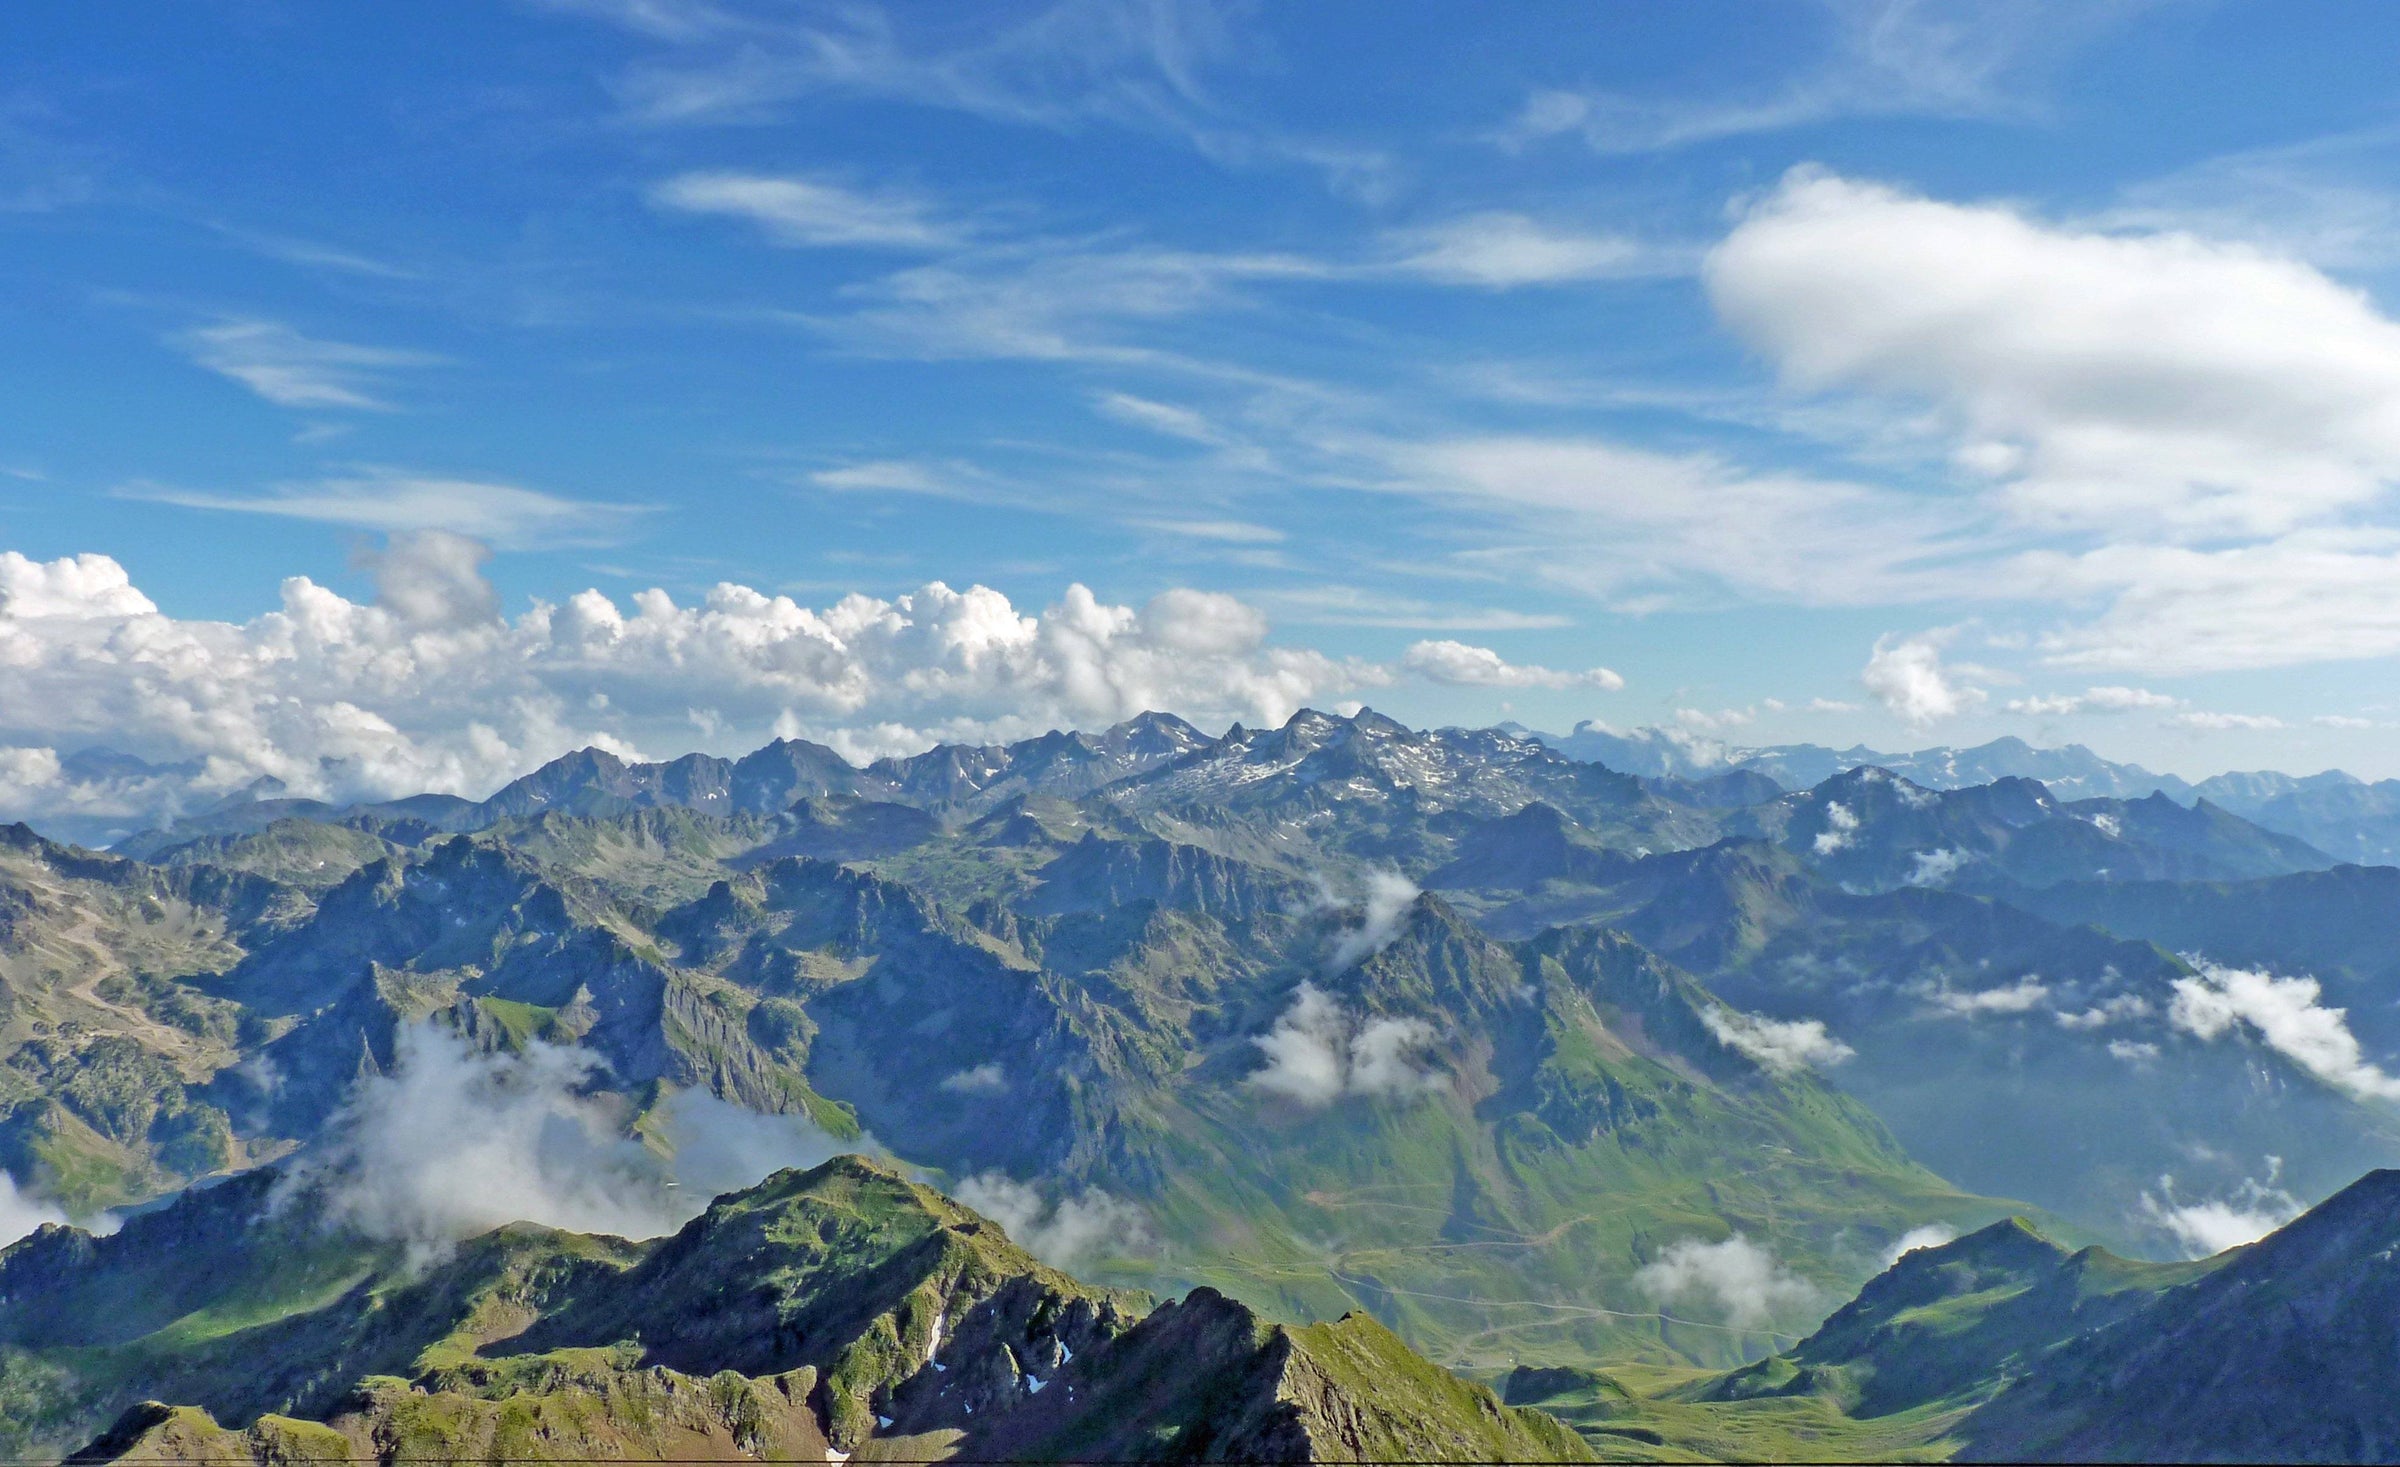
point(1848, 372)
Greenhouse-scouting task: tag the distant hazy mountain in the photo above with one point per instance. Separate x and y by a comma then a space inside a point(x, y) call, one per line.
point(1873, 830)
point(2345, 817)
point(2335, 926)
point(2071, 772)
point(1985, 1036)
point(2339, 814)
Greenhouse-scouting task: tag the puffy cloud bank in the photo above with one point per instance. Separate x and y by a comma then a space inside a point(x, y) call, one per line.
point(1062, 1233)
point(1931, 1235)
point(1386, 899)
point(431, 688)
point(1908, 677)
point(1736, 1279)
point(1841, 823)
point(2022, 996)
point(1459, 665)
point(21, 1211)
point(2206, 433)
point(2287, 1014)
point(1320, 1051)
point(1784, 1046)
point(2245, 1215)
point(2103, 378)
point(455, 1142)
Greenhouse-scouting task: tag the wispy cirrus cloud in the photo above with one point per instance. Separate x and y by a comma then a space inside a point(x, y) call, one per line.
point(2327, 200)
point(938, 479)
point(1693, 526)
point(1355, 606)
point(1139, 64)
point(312, 254)
point(2111, 698)
point(290, 369)
point(398, 501)
point(1051, 301)
point(1223, 532)
point(666, 20)
point(2316, 595)
point(809, 211)
point(1502, 250)
point(1880, 58)
point(1168, 419)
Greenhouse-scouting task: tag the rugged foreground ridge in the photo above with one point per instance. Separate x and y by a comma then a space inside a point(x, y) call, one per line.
point(848, 1312)
point(823, 1314)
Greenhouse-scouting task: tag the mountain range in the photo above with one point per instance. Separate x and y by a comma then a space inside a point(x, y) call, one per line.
point(2337, 813)
point(1493, 1055)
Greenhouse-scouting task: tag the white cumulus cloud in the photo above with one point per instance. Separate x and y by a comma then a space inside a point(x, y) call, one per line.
point(456, 1142)
point(1785, 1046)
point(1459, 665)
point(1319, 1051)
point(1906, 675)
point(2288, 1015)
point(2212, 1225)
point(2022, 996)
point(1739, 1280)
point(1931, 1235)
point(1061, 1233)
point(2107, 379)
point(2189, 445)
point(430, 689)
